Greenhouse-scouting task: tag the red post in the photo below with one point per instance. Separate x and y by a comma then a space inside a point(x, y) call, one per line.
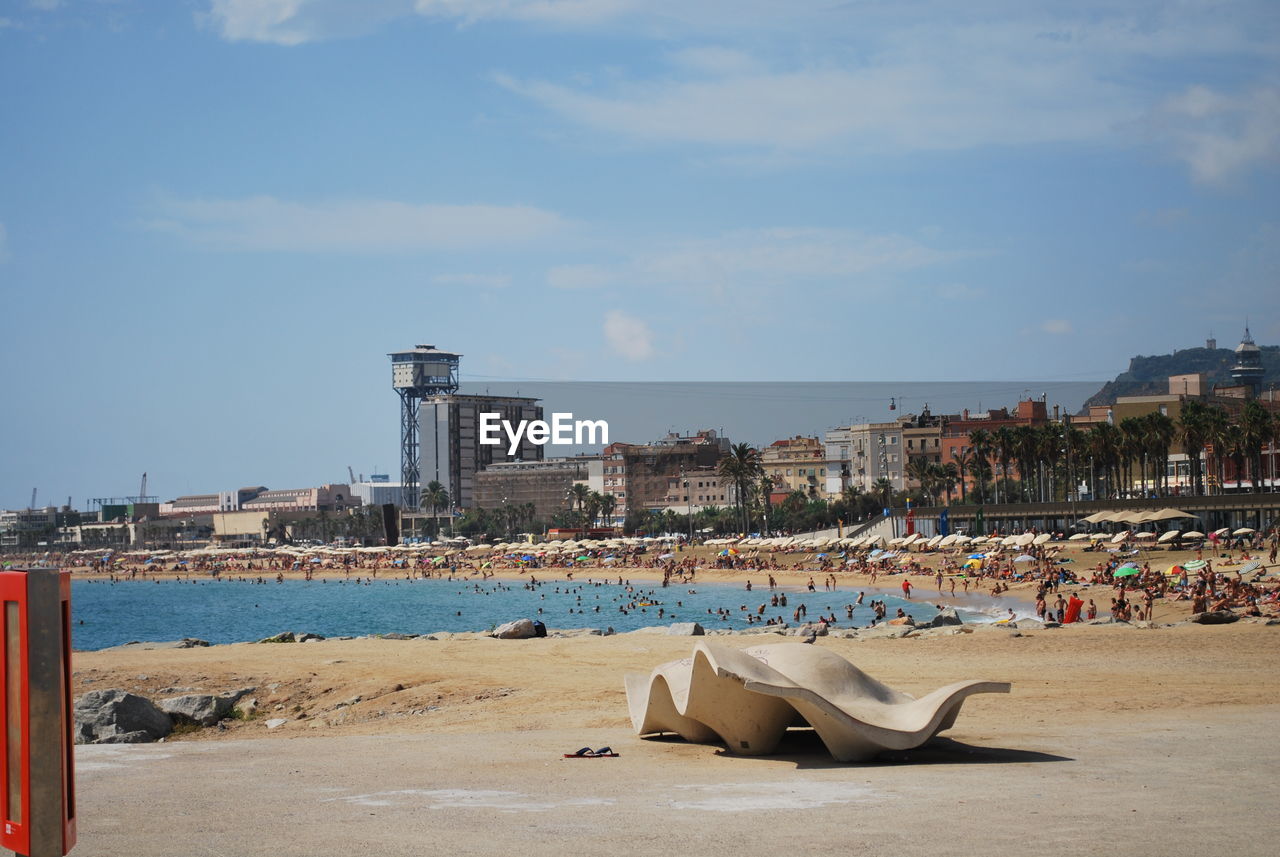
point(37, 776)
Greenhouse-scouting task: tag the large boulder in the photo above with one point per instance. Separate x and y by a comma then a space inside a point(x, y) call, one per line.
point(520, 629)
point(1214, 617)
point(686, 629)
point(202, 708)
point(946, 616)
point(118, 717)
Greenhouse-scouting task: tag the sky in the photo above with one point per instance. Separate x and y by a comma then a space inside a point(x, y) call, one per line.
point(217, 217)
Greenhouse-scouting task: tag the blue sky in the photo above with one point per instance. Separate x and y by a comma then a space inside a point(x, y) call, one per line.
point(217, 216)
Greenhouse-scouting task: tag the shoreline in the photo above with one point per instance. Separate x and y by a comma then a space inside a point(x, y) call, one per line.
point(975, 608)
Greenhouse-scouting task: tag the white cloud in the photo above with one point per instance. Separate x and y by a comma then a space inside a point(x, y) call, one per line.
point(361, 226)
point(628, 336)
point(4, 244)
point(574, 12)
point(580, 276)
point(1056, 326)
point(1220, 135)
point(295, 22)
point(260, 21)
point(911, 105)
point(782, 255)
point(481, 281)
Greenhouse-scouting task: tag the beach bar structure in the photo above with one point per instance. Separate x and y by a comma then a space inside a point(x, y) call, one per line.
point(1258, 511)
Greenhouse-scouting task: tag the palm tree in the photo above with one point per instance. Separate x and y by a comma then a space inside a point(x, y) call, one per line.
point(945, 477)
point(1160, 434)
point(882, 489)
point(1049, 448)
point(742, 466)
point(1005, 442)
point(1132, 445)
point(1192, 431)
point(920, 469)
point(1104, 449)
point(578, 496)
point(1074, 441)
point(963, 458)
point(1025, 449)
point(435, 497)
point(1218, 436)
point(1255, 429)
point(980, 440)
point(608, 503)
point(594, 501)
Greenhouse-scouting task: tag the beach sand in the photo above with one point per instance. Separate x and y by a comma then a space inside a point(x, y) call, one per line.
point(1140, 740)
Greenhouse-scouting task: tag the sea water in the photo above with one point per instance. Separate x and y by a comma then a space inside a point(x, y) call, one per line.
point(106, 613)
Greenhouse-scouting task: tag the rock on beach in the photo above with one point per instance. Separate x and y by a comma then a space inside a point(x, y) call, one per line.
point(118, 717)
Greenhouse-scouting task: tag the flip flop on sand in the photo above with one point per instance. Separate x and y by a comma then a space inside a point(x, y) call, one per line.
point(588, 753)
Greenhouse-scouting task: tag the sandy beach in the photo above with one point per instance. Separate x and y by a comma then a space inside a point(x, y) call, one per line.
point(1151, 738)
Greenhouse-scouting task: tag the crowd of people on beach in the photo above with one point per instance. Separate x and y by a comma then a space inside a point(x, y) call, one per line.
point(1056, 578)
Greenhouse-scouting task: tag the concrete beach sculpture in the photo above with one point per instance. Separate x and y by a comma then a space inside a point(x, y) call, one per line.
point(747, 698)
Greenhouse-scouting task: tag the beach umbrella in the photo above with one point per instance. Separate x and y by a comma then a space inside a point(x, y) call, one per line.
point(1025, 539)
point(1221, 531)
point(1119, 537)
point(1127, 571)
point(1168, 536)
point(1041, 539)
point(1026, 557)
point(1251, 565)
point(1145, 535)
point(1175, 570)
point(948, 541)
point(822, 556)
point(1097, 537)
point(1193, 534)
point(973, 563)
point(977, 556)
point(962, 540)
point(1075, 537)
point(1244, 531)
point(1194, 565)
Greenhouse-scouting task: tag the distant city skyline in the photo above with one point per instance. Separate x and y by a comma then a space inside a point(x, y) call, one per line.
point(217, 217)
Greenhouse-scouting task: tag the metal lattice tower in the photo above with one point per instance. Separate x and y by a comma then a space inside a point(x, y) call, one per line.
point(415, 375)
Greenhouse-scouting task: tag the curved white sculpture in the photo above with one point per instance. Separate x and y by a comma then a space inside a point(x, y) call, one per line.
point(748, 697)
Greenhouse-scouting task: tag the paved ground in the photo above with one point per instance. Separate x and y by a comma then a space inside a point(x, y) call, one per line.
point(1145, 784)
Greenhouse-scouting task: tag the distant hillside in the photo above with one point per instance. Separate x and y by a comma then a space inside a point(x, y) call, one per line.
point(1150, 375)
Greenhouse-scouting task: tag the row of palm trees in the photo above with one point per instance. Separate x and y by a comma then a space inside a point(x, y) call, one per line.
point(1120, 459)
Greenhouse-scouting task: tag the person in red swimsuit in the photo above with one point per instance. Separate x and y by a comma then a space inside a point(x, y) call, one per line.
point(906, 589)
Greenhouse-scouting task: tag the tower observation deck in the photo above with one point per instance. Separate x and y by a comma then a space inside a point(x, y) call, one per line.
point(1248, 369)
point(415, 375)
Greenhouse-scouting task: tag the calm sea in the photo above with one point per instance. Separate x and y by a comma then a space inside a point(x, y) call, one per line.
point(229, 611)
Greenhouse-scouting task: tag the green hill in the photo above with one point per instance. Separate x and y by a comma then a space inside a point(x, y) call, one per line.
point(1150, 375)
